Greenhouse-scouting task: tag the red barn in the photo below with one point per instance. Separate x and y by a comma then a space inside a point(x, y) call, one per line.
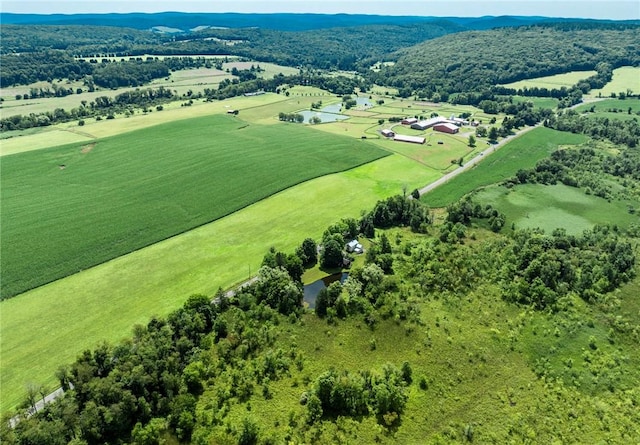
point(446, 127)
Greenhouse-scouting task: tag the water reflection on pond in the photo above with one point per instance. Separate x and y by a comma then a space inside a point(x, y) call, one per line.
point(324, 117)
point(311, 290)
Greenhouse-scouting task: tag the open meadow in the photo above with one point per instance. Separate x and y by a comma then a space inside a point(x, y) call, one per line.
point(81, 205)
point(539, 102)
point(548, 207)
point(181, 82)
point(628, 108)
point(522, 152)
point(50, 325)
point(556, 81)
point(624, 78)
point(254, 109)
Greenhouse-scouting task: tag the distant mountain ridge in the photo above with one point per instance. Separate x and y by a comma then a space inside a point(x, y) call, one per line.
point(281, 21)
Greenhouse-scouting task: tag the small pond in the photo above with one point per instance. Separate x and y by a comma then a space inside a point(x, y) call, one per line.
point(363, 102)
point(311, 290)
point(333, 108)
point(324, 117)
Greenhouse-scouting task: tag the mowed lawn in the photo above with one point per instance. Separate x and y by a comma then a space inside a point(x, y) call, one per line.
point(72, 207)
point(48, 326)
point(555, 206)
point(521, 153)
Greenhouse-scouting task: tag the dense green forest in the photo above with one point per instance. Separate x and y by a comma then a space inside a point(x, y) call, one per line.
point(73, 38)
point(451, 64)
point(475, 61)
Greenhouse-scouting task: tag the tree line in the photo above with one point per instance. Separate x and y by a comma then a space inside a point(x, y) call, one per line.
point(228, 348)
point(101, 106)
point(455, 63)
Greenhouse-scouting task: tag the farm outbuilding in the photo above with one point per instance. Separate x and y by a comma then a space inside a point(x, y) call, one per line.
point(428, 123)
point(387, 133)
point(409, 121)
point(446, 127)
point(406, 138)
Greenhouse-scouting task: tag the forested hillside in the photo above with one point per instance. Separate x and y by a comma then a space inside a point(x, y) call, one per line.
point(477, 60)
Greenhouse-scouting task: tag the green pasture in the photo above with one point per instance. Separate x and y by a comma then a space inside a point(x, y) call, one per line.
point(520, 153)
point(612, 108)
point(552, 82)
point(431, 153)
point(104, 302)
point(538, 102)
point(624, 78)
point(555, 206)
point(80, 205)
point(66, 133)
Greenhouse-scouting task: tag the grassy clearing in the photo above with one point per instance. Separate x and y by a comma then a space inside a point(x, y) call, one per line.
point(550, 207)
point(624, 78)
point(437, 152)
point(612, 108)
point(78, 206)
point(155, 280)
point(539, 102)
point(552, 82)
point(522, 152)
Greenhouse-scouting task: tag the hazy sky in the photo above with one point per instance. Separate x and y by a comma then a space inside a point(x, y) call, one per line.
point(616, 9)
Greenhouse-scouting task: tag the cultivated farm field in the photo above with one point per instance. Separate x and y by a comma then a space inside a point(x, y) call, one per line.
point(80, 205)
point(103, 303)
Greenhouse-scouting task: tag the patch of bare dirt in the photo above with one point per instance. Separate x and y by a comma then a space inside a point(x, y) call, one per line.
point(88, 148)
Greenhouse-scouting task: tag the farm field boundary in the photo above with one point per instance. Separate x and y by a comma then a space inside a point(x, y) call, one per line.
point(80, 205)
point(48, 326)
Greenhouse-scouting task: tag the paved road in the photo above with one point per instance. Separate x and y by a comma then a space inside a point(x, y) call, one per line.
point(469, 164)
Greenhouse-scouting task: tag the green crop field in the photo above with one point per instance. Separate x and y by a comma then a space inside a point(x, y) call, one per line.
point(104, 302)
point(624, 78)
point(81, 205)
point(612, 108)
point(553, 206)
point(522, 152)
point(552, 82)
